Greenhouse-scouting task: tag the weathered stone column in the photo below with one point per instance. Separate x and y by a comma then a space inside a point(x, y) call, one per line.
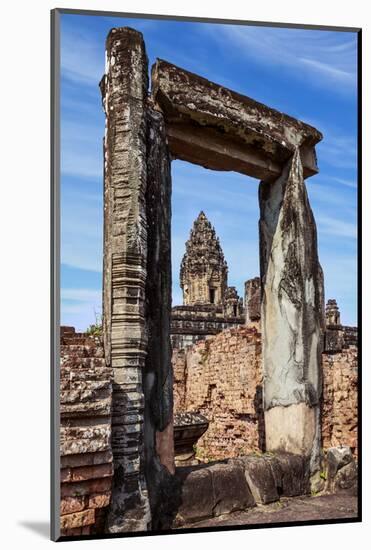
point(292, 315)
point(124, 91)
point(158, 375)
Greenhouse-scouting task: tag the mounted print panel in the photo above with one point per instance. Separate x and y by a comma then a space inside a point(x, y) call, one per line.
point(206, 356)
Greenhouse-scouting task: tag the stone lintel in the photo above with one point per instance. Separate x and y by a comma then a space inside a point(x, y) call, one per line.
point(220, 129)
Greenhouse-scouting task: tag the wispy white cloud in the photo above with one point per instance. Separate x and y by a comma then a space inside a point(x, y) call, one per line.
point(324, 194)
point(82, 61)
point(82, 150)
point(80, 307)
point(339, 228)
point(347, 183)
point(81, 164)
point(339, 150)
point(81, 230)
point(81, 257)
point(319, 54)
point(81, 294)
point(328, 70)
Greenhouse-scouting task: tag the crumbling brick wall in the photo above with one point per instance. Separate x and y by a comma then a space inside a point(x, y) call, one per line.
point(339, 419)
point(179, 374)
point(85, 434)
point(220, 377)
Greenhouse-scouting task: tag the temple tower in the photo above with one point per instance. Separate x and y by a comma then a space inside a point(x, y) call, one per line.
point(203, 271)
point(332, 313)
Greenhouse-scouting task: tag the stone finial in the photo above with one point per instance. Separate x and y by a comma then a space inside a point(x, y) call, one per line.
point(204, 271)
point(252, 300)
point(332, 313)
point(232, 302)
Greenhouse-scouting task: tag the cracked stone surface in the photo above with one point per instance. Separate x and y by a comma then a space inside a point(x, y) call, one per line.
point(220, 129)
point(324, 507)
point(124, 94)
point(292, 315)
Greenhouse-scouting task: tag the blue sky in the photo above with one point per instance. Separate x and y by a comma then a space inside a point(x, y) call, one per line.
point(308, 74)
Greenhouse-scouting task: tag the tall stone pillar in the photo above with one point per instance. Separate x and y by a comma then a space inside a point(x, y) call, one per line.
point(158, 375)
point(124, 92)
point(292, 315)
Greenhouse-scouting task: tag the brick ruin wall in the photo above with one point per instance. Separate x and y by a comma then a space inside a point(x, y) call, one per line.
point(85, 434)
point(221, 378)
point(339, 419)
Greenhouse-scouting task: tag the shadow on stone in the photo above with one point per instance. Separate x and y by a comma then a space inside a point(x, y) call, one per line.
point(259, 412)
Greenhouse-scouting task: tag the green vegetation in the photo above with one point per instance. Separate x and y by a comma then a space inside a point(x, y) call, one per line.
point(96, 329)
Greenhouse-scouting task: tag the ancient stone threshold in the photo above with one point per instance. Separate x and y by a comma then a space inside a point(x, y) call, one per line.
point(246, 489)
point(288, 509)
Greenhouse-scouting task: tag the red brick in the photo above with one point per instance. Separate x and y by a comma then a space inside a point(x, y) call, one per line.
point(99, 500)
point(72, 504)
point(86, 487)
point(78, 519)
point(91, 472)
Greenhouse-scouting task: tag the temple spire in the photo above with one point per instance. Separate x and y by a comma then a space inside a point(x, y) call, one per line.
point(203, 272)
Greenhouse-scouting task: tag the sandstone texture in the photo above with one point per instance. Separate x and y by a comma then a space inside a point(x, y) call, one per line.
point(158, 374)
point(188, 428)
point(341, 471)
point(292, 315)
point(85, 434)
point(192, 323)
point(212, 491)
point(303, 509)
point(124, 95)
point(220, 129)
point(239, 484)
point(253, 300)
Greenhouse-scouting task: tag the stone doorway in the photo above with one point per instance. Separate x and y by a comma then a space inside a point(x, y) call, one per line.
point(187, 117)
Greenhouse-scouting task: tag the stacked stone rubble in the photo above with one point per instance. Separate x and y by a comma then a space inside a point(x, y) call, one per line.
point(85, 434)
